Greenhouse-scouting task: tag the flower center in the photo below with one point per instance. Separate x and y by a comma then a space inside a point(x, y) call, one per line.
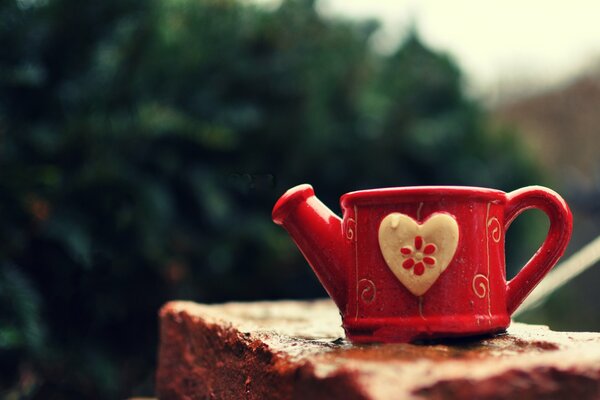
point(418, 256)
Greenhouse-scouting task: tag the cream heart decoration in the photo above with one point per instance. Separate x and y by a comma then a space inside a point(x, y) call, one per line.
point(418, 253)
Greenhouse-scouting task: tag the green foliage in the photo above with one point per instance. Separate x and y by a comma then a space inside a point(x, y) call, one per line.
point(143, 143)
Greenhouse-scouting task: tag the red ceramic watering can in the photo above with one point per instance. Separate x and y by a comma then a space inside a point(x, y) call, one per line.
point(421, 262)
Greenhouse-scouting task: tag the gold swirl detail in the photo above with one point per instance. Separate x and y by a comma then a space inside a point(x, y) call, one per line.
point(496, 229)
point(480, 285)
point(367, 290)
point(350, 228)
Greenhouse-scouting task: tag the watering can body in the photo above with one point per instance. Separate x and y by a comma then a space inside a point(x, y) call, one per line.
point(405, 264)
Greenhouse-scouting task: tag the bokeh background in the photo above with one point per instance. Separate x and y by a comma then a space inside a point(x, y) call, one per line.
point(144, 142)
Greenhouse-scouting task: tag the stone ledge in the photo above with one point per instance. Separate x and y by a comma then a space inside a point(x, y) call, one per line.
point(296, 350)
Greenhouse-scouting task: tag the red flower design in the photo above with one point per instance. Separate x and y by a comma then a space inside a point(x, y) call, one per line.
point(418, 257)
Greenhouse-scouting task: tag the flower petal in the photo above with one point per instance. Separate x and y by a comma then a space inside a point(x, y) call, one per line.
point(430, 249)
point(419, 268)
point(418, 242)
point(429, 260)
point(408, 263)
point(406, 250)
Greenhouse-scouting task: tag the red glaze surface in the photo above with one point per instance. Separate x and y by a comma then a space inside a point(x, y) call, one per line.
point(470, 296)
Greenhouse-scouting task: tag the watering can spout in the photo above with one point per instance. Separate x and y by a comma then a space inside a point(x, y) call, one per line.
point(318, 233)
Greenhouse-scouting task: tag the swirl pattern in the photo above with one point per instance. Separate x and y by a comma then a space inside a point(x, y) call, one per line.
point(367, 290)
point(496, 229)
point(351, 224)
point(480, 285)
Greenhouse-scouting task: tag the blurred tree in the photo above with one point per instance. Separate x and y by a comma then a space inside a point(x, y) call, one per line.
point(143, 143)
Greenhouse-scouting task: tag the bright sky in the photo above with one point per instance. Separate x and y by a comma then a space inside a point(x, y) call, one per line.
point(495, 42)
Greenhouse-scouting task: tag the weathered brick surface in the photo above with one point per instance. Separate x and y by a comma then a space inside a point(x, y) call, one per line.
point(295, 350)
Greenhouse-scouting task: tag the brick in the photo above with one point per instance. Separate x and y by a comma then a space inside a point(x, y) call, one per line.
point(296, 350)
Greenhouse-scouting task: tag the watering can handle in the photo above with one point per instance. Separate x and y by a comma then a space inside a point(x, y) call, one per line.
point(559, 233)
